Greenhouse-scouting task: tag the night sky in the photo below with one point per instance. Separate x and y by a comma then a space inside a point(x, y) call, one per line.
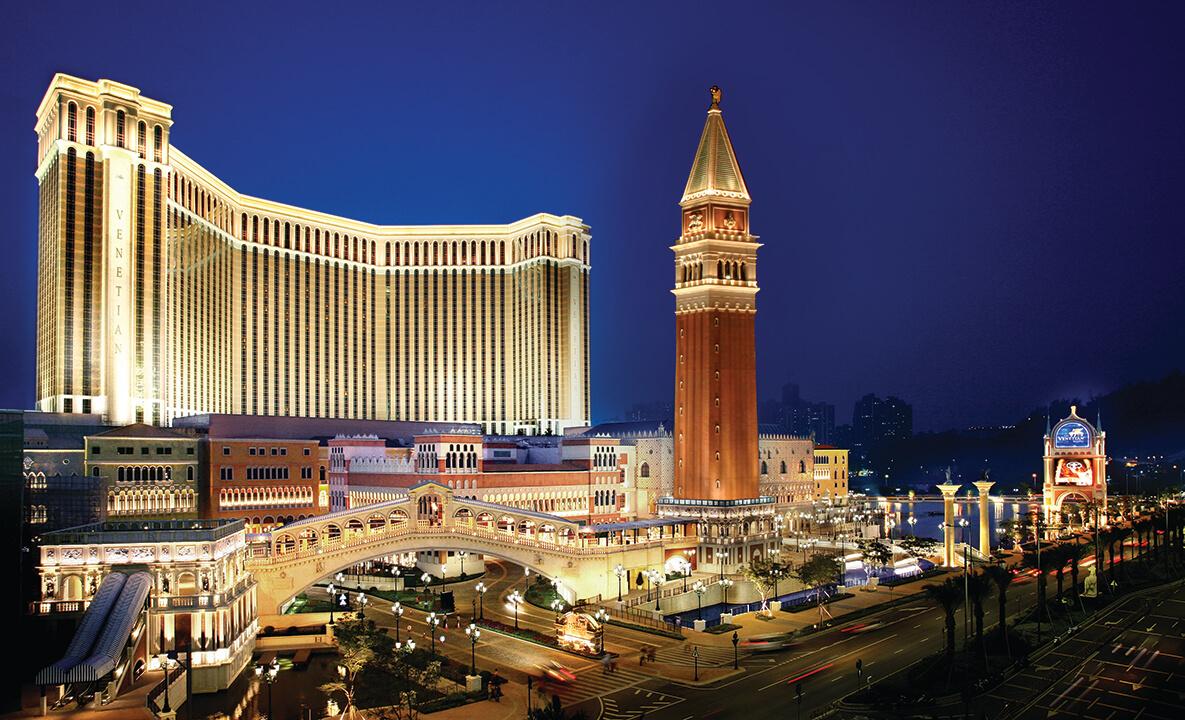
point(978, 207)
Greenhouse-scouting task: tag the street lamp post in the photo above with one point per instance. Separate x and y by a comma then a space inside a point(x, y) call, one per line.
point(736, 639)
point(699, 589)
point(266, 673)
point(433, 622)
point(557, 605)
point(474, 633)
point(515, 599)
point(481, 599)
point(462, 555)
point(397, 611)
point(164, 664)
point(658, 580)
point(620, 571)
point(602, 617)
point(362, 601)
point(725, 584)
point(331, 590)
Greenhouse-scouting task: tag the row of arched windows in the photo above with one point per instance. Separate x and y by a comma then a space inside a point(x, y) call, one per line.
point(150, 500)
point(237, 498)
point(120, 131)
point(146, 473)
point(731, 270)
point(460, 460)
point(782, 469)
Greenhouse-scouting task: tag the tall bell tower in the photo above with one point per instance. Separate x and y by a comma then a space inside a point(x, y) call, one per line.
point(715, 308)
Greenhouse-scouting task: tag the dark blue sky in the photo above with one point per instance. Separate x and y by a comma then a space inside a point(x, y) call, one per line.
point(976, 206)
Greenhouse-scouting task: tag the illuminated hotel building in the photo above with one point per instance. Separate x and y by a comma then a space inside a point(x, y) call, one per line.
point(163, 292)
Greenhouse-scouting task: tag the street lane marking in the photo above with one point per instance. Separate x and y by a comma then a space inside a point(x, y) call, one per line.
point(824, 667)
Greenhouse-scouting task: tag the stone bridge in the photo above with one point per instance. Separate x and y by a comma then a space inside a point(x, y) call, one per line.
point(431, 517)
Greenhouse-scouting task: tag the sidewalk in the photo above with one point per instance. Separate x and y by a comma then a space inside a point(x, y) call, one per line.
point(513, 705)
point(754, 624)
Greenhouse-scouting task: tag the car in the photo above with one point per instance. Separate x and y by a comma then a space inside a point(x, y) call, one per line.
point(766, 643)
point(864, 627)
point(556, 673)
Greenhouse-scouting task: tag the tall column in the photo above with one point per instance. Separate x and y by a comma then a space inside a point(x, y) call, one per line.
point(948, 515)
point(985, 534)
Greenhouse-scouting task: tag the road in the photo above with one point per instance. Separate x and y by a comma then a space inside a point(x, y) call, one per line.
point(823, 664)
point(1126, 663)
point(515, 659)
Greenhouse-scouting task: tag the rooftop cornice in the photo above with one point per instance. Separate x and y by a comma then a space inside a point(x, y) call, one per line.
point(252, 204)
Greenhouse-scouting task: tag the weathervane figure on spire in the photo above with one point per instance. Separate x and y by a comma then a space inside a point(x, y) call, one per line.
point(715, 90)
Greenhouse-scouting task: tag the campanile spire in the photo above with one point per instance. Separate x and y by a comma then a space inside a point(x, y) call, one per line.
point(715, 306)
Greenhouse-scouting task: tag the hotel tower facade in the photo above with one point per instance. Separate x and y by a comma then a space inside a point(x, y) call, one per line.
point(163, 292)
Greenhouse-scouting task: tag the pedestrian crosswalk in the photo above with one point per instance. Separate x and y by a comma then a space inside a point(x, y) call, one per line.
point(594, 682)
point(642, 704)
point(682, 655)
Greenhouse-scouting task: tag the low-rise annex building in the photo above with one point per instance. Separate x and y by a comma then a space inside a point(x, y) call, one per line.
point(831, 472)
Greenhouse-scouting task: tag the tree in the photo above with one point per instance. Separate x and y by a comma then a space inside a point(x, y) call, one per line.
point(1079, 552)
point(1041, 562)
point(949, 595)
point(918, 548)
point(1002, 577)
point(1059, 556)
point(362, 646)
point(1016, 529)
point(817, 572)
point(876, 553)
point(764, 573)
point(979, 586)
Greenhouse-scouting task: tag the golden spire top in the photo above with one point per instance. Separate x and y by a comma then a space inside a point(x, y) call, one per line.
point(715, 171)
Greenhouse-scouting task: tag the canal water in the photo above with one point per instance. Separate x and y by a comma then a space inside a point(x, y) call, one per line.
point(928, 515)
point(295, 693)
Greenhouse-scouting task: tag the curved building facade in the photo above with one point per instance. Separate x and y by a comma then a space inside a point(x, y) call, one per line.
point(164, 292)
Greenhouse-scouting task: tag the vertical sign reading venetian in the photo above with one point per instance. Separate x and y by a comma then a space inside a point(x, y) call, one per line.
point(117, 197)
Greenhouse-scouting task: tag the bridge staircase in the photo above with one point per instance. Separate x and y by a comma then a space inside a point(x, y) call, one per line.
point(101, 656)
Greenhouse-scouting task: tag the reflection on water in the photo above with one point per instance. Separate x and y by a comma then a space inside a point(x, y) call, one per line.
point(929, 516)
point(295, 693)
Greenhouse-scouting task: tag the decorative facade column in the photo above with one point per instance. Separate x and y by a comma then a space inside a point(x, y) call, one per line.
point(985, 534)
point(948, 517)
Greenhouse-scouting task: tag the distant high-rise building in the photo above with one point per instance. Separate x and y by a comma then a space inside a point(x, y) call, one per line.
point(796, 416)
point(876, 421)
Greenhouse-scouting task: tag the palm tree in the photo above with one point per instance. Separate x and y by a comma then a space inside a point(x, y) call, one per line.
point(1080, 551)
point(1107, 538)
point(979, 586)
point(1059, 555)
point(1122, 534)
point(948, 594)
point(1042, 563)
point(1002, 577)
point(1143, 531)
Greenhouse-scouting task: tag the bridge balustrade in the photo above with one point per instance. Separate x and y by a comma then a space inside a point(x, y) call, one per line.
point(289, 546)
